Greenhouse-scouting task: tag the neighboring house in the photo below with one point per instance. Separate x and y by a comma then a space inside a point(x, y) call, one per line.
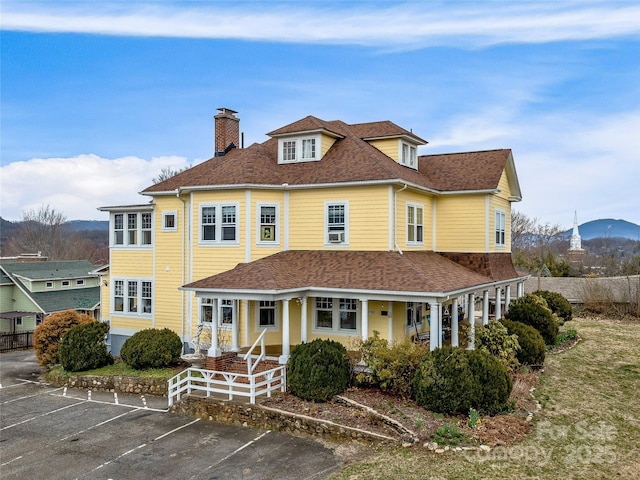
point(33, 289)
point(325, 230)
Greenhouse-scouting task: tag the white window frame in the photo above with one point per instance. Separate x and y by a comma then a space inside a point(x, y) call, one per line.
point(18, 321)
point(146, 229)
point(165, 216)
point(415, 224)
point(80, 283)
point(118, 229)
point(48, 285)
point(228, 309)
point(143, 299)
point(65, 283)
point(331, 230)
point(260, 239)
point(500, 236)
point(408, 154)
point(295, 149)
point(219, 224)
point(415, 312)
point(130, 231)
point(334, 306)
point(276, 316)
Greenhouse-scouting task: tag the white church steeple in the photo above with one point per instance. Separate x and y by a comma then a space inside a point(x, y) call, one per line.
point(575, 244)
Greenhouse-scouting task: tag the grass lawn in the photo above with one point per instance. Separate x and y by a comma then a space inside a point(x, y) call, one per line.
point(588, 426)
point(120, 368)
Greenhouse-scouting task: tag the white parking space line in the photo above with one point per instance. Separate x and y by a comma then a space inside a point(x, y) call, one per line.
point(29, 396)
point(239, 449)
point(96, 425)
point(11, 461)
point(141, 446)
point(115, 402)
point(42, 415)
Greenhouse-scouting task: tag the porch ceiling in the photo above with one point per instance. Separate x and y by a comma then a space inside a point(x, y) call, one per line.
point(411, 273)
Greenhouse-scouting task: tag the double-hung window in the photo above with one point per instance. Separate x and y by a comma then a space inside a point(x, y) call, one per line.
point(267, 314)
point(132, 229)
point(299, 149)
point(227, 312)
point(132, 296)
point(146, 228)
point(206, 310)
point(415, 224)
point(408, 155)
point(336, 315)
point(118, 296)
point(501, 218)
point(336, 223)
point(267, 224)
point(218, 223)
point(118, 229)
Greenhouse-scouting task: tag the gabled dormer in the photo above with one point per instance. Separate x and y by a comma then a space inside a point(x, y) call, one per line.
point(397, 143)
point(306, 140)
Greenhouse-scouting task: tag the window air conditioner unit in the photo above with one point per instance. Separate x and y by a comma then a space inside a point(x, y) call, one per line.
point(335, 237)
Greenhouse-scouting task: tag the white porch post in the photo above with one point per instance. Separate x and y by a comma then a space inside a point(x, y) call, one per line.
point(435, 327)
point(507, 298)
point(485, 307)
point(454, 323)
point(520, 289)
point(235, 326)
point(284, 358)
point(498, 303)
point(364, 305)
point(214, 349)
point(472, 322)
point(390, 323)
point(303, 320)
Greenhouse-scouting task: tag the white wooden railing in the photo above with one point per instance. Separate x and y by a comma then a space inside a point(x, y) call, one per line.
point(251, 367)
point(227, 383)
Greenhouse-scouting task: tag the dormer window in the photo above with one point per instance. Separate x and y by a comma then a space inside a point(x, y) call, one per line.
point(299, 149)
point(408, 156)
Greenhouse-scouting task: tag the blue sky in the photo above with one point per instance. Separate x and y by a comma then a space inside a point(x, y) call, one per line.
point(98, 97)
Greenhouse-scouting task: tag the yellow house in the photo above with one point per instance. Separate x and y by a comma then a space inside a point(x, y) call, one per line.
point(325, 230)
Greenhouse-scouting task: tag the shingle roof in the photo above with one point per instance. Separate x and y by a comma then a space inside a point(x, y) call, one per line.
point(350, 159)
point(49, 270)
point(72, 299)
point(349, 270)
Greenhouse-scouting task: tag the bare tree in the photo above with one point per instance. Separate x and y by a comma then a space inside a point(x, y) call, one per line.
point(167, 172)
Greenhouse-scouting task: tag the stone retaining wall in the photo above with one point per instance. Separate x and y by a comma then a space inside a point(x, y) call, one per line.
point(257, 416)
point(118, 384)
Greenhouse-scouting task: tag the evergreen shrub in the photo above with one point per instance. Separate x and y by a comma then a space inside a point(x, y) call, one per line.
point(558, 304)
point(451, 380)
point(318, 370)
point(83, 347)
point(152, 348)
point(532, 347)
point(532, 310)
point(48, 334)
point(495, 339)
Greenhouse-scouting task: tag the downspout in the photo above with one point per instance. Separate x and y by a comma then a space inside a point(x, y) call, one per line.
point(182, 254)
point(395, 215)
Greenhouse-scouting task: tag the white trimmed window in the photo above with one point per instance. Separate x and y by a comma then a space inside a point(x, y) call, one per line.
point(415, 224)
point(132, 296)
point(336, 223)
point(266, 314)
point(268, 221)
point(132, 229)
point(299, 149)
point(227, 312)
point(80, 283)
point(414, 314)
point(66, 283)
point(501, 220)
point(169, 221)
point(49, 285)
point(408, 155)
point(336, 315)
point(219, 224)
point(206, 310)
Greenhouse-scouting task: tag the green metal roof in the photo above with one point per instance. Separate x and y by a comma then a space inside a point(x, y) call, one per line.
point(76, 299)
point(49, 270)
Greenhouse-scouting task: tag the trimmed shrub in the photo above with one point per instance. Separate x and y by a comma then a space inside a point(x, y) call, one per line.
point(452, 381)
point(532, 310)
point(83, 347)
point(558, 304)
point(532, 347)
point(391, 368)
point(48, 334)
point(318, 370)
point(494, 339)
point(152, 348)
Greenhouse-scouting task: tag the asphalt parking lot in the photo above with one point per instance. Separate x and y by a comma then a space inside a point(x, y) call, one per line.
point(55, 433)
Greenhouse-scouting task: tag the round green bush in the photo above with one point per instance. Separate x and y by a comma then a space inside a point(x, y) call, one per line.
point(47, 335)
point(152, 348)
point(318, 370)
point(452, 380)
point(557, 303)
point(532, 348)
point(83, 347)
point(532, 310)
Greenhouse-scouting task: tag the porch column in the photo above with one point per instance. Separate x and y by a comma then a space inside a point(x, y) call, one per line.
point(303, 320)
point(435, 326)
point(498, 303)
point(364, 305)
point(214, 349)
point(390, 323)
point(235, 326)
point(485, 307)
point(520, 289)
point(507, 298)
point(284, 358)
point(454, 323)
point(472, 322)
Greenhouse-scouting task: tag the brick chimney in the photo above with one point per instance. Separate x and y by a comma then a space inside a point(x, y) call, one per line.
point(227, 131)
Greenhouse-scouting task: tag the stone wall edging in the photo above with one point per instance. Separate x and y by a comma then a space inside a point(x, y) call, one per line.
point(117, 384)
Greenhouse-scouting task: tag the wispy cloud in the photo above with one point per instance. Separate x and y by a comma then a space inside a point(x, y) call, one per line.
point(89, 182)
point(389, 25)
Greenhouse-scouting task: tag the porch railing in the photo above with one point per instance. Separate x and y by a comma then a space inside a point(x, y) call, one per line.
point(247, 356)
point(229, 384)
point(16, 341)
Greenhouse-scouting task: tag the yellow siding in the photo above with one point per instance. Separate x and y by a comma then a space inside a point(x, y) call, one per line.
point(260, 197)
point(389, 147)
point(416, 198)
point(499, 203)
point(131, 263)
point(461, 223)
point(131, 323)
point(327, 143)
point(504, 187)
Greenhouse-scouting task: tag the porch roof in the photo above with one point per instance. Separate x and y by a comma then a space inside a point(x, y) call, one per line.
point(372, 273)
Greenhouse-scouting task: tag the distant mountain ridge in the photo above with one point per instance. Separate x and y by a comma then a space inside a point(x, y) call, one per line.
point(607, 228)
